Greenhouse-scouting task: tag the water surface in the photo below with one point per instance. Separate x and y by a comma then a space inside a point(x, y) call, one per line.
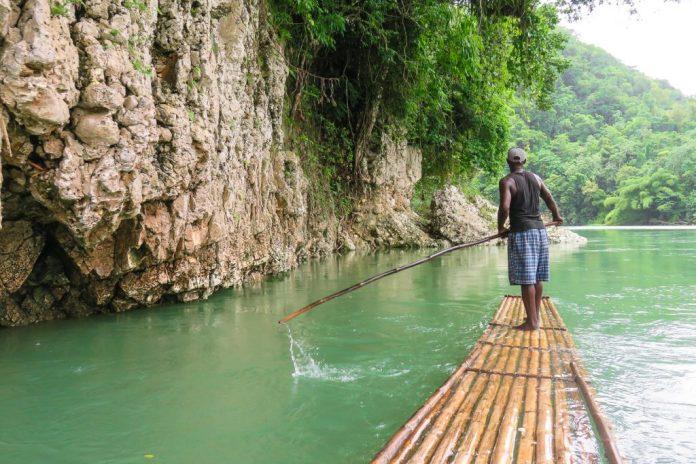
point(219, 381)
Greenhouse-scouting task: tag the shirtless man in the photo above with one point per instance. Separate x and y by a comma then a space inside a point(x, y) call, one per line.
point(528, 244)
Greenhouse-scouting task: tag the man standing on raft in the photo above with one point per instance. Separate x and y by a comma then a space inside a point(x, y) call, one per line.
point(528, 244)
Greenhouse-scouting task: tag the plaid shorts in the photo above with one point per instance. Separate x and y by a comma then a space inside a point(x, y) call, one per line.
point(528, 257)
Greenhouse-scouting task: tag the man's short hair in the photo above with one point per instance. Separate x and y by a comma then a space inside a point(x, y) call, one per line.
point(516, 155)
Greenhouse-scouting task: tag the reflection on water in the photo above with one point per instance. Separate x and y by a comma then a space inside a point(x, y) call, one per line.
point(221, 381)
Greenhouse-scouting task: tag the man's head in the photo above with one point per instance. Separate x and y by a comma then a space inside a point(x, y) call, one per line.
point(516, 157)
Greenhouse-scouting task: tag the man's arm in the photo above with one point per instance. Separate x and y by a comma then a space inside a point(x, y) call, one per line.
point(504, 207)
point(545, 194)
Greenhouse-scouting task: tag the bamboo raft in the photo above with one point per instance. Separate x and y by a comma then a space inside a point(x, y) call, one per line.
point(519, 397)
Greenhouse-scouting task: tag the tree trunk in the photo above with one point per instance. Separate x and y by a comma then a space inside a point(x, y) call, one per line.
point(364, 133)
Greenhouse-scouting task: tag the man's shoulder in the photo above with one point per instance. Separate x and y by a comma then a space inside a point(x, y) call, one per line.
point(506, 179)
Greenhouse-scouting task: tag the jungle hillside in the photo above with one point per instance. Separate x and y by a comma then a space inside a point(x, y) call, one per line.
point(616, 147)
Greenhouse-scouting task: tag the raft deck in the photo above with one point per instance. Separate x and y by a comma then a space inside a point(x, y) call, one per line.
point(515, 399)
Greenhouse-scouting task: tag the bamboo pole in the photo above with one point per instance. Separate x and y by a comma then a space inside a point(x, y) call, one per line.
point(504, 449)
point(561, 425)
point(414, 427)
point(610, 449)
point(485, 447)
point(384, 274)
point(526, 448)
point(544, 431)
point(583, 424)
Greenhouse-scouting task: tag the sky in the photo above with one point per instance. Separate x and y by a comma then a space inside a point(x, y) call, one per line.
point(659, 39)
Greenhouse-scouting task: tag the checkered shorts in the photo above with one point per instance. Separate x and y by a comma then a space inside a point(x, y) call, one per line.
point(528, 257)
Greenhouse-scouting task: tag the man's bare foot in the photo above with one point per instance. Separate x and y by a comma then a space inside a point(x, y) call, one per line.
point(526, 325)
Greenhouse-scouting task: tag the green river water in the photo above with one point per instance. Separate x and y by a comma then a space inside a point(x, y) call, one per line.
point(219, 381)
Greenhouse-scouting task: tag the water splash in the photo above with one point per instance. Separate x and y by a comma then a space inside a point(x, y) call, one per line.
point(304, 365)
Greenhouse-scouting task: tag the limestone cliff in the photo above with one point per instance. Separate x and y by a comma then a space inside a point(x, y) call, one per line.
point(144, 158)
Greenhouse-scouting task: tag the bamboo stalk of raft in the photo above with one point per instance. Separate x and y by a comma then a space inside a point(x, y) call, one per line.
point(605, 433)
point(404, 438)
point(437, 413)
point(467, 414)
point(503, 452)
point(485, 383)
point(491, 431)
point(610, 448)
point(478, 415)
point(583, 420)
point(415, 450)
point(421, 418)
point(473, 434)
point(425, 451)
point(470, 441)
point(526, 449)
point(411, 441)
point(544, 430)
point(561, 424)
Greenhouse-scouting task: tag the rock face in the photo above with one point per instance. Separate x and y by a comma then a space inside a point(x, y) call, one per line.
point(459, 220)
point(561, 235)
point(145, 158)
point(383, 216)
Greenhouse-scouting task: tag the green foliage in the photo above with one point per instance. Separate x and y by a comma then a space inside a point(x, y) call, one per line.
point(615, 146)
point(651, 195)
point(139, 5)
point(142, 68)
point(134, 43)
point(322, 168)
point(60, 8)
point(443, 72)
